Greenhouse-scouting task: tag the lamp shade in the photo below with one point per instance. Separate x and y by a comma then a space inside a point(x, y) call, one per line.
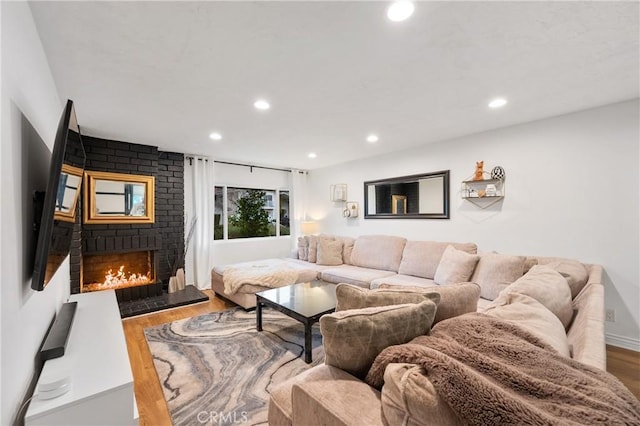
point(309, 227)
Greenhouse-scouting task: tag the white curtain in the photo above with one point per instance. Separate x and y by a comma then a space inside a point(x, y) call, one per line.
point(298, 195)
point(199, 202)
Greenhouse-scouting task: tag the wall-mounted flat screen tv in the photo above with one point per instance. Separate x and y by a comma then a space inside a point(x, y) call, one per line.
point(56, 209)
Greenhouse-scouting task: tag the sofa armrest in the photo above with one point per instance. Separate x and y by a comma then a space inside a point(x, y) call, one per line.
point(345, 400)
point(586, 334)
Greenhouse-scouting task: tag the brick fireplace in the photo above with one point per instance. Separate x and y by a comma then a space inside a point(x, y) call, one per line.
point(140, 248)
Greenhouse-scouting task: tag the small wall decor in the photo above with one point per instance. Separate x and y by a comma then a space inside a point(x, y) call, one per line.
point(351, 209)
point(479, 174)
point(497, 173)
point(339, 192)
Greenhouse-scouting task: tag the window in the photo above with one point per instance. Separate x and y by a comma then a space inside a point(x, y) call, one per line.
point(249, 213)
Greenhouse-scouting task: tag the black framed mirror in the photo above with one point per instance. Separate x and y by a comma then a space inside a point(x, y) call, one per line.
point(423, 196)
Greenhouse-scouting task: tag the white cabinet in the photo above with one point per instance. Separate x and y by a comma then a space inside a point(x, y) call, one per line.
point(98, 364)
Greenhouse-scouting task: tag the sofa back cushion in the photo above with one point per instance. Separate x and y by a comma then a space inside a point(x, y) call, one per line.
point(548, 287)
point(421, 258)
point(353, 338)
point(378, 252)
point(455, 299)
point(495, 272)
point(352, 297)
point(534, 317)
point(575, 272)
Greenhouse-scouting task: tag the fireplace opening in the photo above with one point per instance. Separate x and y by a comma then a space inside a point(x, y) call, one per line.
point(117, 270)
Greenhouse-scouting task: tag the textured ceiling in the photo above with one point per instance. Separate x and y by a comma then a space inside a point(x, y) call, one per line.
point(169, 73)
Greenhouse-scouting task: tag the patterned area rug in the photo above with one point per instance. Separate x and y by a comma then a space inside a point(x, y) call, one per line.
point(217, 369)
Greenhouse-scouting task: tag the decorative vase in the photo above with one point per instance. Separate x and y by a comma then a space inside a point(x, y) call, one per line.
point(181, 279)
point(173, 284)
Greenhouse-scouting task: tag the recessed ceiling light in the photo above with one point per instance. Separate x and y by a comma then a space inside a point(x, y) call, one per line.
point(372, 138)
point(400, 10)
point(215, 136)
point(261, 104)
point(312, 155)
point(497, 103)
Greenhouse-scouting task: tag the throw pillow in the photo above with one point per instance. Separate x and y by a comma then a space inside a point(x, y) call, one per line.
point(313, 248)
point(549, 288)
point(531, 315)
point(347, 249)
point(455, 266)
point(455, 299)
point(574, 272)
point(352, 297)
point(329, 252)
point(303, 248)
point(353, 338)
point(495, 272)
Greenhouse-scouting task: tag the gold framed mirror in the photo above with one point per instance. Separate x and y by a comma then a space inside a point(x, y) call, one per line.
point(118, 198)
point(68, 193)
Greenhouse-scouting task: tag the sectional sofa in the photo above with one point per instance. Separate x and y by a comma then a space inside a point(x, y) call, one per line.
point(327, 394)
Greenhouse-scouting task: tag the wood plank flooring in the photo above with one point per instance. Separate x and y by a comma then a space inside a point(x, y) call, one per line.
point(622, 363)
point(151, 404)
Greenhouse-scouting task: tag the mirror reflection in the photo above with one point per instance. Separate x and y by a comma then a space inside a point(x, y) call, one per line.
point(115, 198)
point(118, 198)
point(412, 197)
point(68, 193)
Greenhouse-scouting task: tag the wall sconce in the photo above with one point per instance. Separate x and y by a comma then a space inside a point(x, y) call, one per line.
point(339, 192)
point(351, 209)
point(309, 227)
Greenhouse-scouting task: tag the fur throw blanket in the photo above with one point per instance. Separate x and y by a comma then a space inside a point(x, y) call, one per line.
point(264, 274)
point(492, 372)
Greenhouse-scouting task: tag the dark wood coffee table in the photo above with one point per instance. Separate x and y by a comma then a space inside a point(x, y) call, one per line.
point(305, 302)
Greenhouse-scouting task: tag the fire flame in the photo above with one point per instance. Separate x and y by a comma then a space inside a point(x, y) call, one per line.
point(119, 279)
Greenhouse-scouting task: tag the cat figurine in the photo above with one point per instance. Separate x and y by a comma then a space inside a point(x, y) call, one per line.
point(479, 175)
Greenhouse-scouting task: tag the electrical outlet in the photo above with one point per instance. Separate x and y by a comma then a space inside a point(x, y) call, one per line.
point(610, 315)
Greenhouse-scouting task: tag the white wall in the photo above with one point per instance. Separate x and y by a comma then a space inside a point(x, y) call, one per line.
point(28, 95)
point(571, 190)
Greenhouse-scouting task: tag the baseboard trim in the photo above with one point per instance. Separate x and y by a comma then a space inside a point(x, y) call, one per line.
point(622, 342)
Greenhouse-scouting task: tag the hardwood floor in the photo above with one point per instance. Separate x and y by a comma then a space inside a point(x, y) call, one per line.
point(622, 363)
point(151, 405)
point(625, 365)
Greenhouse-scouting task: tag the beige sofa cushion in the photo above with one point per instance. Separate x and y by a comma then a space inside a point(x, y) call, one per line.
point(312, 252)
point(355, 275)
point(547, 287)
point(421, 258)
point(303, 248)
point(533, 316)
point(378, 252)
point(347, 248)
point(352, 297)
point(455, 266)
point(409, 398)
point(455, 299)
point(574, 272)
point(329, 252)
point(352, 339)
point(495, 272)
point(403, 280)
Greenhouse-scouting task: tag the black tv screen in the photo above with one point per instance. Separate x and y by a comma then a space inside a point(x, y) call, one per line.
point(59, 203)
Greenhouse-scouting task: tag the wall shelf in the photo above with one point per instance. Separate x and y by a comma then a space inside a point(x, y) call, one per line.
point(484, 192)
